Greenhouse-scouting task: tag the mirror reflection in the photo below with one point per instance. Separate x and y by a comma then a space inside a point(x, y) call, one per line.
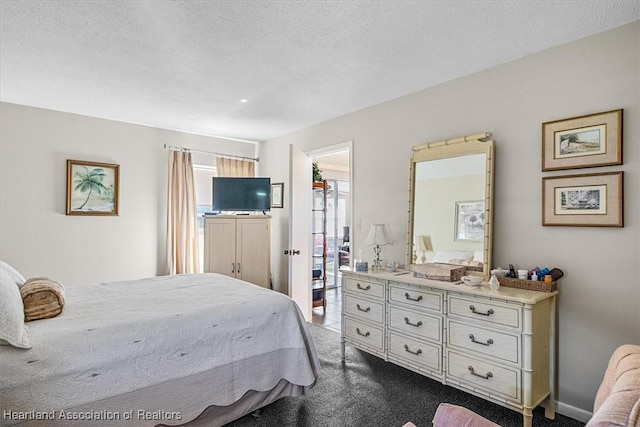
point(450, 209)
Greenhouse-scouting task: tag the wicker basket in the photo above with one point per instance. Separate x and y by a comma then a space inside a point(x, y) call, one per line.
point(530, 285)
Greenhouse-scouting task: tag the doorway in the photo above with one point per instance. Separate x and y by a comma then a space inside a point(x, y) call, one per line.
point(335, 169)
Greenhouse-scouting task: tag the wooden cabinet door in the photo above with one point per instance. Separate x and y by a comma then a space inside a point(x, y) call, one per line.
point(220, 246)
point(253, 246)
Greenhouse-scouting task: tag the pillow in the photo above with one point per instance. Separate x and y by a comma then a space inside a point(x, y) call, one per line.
point(446, 256)
point(42, 298)
point(467, 263)
point(12, 273)
point(12, 328)
point(459, 261)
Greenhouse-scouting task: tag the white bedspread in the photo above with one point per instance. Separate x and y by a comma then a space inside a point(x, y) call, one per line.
point(116, 338)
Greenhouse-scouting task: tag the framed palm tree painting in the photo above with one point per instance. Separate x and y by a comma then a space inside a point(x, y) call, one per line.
point(92, 188)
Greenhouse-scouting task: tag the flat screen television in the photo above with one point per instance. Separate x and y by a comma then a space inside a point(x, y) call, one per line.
point(241, 194)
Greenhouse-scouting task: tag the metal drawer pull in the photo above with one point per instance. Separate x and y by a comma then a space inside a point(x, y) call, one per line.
point(364, 289)
point(366, 334)
point(488, 313)
point(417, 353)
point(486, 376)
point(473, 339)
point(363, 309)
point(417, 325)
point(407, 296)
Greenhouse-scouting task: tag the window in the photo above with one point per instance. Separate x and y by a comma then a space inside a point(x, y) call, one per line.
point(338, 217)
point(202, 175)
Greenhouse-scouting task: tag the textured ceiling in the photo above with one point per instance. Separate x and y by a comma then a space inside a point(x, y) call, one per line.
point(186, 65)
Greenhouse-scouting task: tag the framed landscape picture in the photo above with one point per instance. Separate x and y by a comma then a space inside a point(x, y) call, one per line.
point(92, 188)
point(590, 200)
point(581, 142)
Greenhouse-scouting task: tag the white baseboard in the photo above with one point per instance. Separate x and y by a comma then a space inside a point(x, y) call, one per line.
point(573, 412)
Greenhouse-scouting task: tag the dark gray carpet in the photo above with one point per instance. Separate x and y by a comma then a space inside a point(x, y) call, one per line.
point(367, 391)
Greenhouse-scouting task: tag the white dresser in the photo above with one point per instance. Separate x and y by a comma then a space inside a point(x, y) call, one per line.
point(498, 345)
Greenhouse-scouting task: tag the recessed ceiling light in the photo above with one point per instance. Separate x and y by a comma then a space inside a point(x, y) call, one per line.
point(244, 101)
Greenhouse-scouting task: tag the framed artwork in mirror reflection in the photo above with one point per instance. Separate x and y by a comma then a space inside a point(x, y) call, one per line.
point(470, 220)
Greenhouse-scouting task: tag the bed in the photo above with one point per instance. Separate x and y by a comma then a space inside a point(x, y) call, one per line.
point(201, 349)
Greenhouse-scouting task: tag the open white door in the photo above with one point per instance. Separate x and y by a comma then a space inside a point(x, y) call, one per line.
point(299, 251)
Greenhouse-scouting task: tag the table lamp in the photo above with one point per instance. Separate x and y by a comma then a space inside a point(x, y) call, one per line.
point(424, 245)
point(378, 236)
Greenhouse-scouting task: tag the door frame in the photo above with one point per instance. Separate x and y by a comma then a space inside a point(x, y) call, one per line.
point(348, 145)
point(330, 149)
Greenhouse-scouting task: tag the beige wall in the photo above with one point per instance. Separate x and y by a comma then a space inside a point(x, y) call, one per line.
point(36, 236)
point(600, 294)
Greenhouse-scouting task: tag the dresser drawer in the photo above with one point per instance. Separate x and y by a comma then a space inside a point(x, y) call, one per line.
point(415, 296)
point(366, 334)
point(415, 323)
point(483, 376)
point(364, 287)
point(423, 355)
point(485, 310)
point(497, 345)
point(365, 309)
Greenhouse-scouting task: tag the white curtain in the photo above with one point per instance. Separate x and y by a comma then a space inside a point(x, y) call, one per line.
point(182, 227)
point(235, 167)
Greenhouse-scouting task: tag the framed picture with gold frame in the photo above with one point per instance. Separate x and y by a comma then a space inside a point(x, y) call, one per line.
point(582, 142)
point(589, 200)
point(92, 188)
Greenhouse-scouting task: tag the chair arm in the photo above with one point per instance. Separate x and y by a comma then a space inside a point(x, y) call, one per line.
point(448, 415)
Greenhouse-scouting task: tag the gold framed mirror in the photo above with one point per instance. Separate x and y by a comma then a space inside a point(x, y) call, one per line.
point(450, 202)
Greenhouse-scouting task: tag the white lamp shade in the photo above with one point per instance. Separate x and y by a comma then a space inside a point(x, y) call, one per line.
point(424, 243)
point(378, 236)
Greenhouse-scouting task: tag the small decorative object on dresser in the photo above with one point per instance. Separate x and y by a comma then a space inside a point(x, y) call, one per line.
point(436, 271)
point(581, 142)
point(362, 266)
point(472, 280)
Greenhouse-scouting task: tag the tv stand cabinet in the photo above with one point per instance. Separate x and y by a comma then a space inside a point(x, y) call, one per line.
point(239, 246)
point(498, 345)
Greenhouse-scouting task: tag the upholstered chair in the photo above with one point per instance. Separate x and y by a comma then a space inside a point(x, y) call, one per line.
point(617, 402)
point(448, 415)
